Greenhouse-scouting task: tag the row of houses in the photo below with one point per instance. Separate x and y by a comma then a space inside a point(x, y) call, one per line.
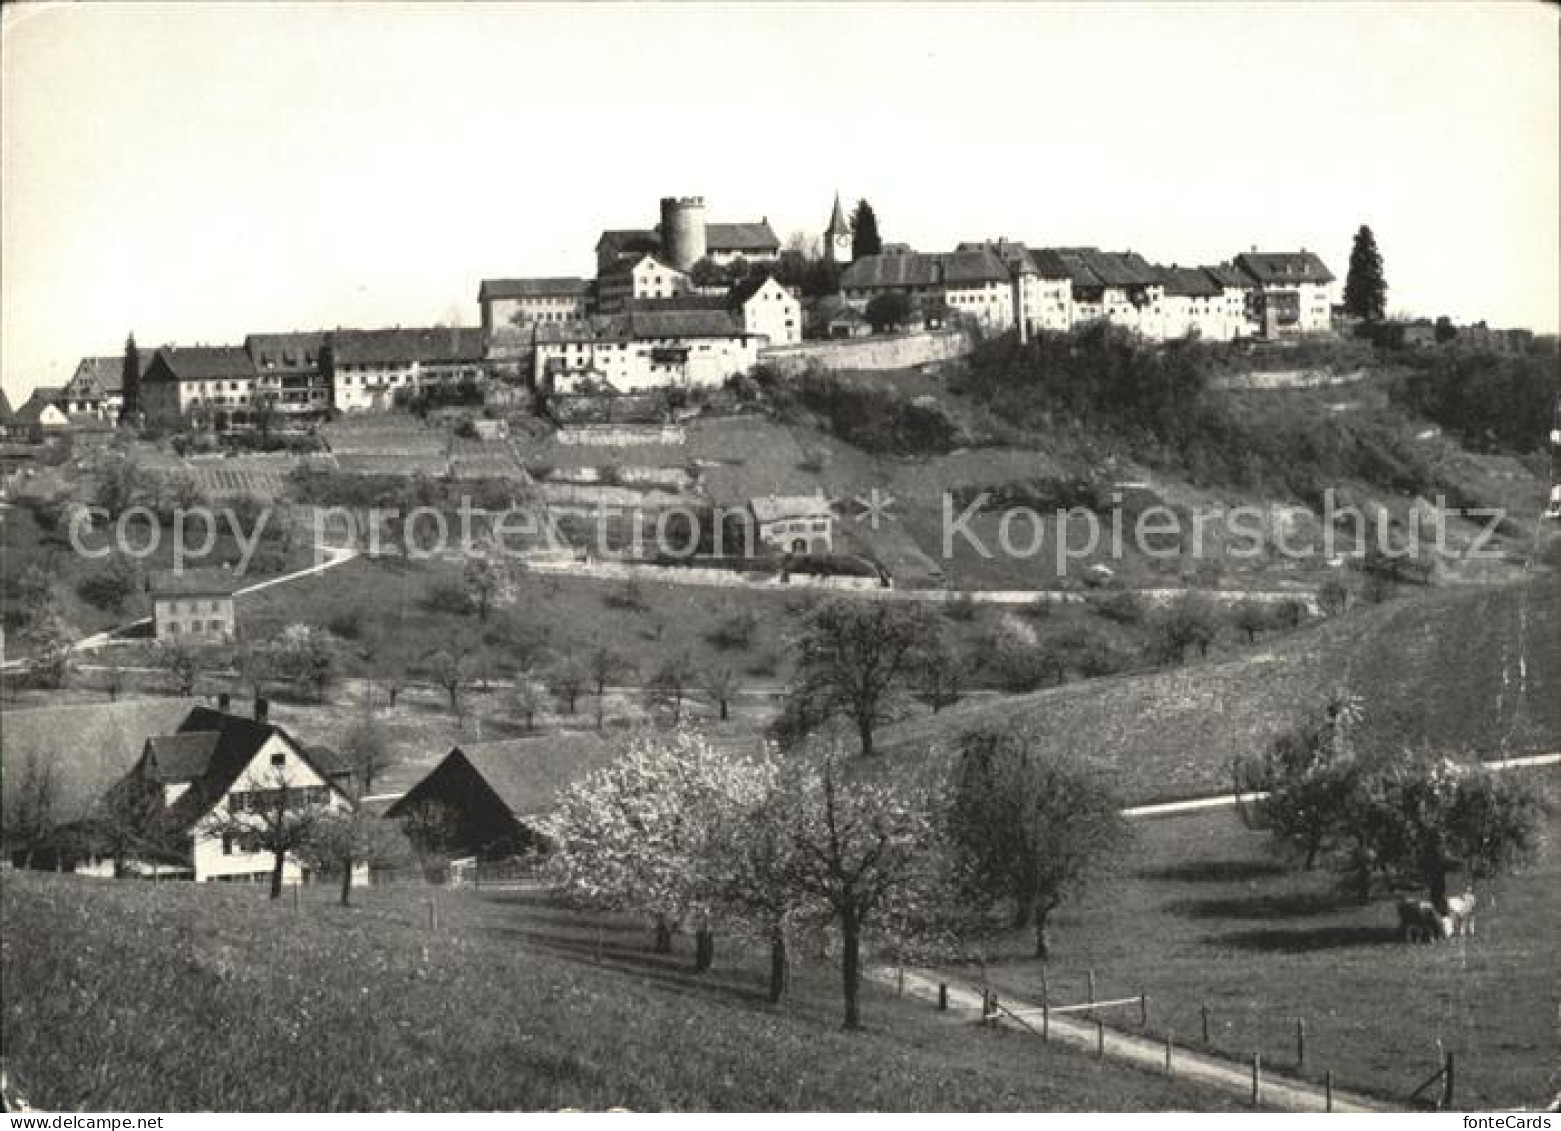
point(1004, 284)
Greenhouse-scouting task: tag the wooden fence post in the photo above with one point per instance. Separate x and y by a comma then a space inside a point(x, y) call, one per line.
point(1257, 1078)
point(1328, 1090)
point(433, 915)
point(1203, 1014)
point(1168, 1035)
point(1300, 1042)
point(899, 982)
point(1091, 975)
point(1046, 1022)
point(1045, 995)
point(1447, 1083)
point(1100, 1038)
point(295, 896)
point(1143, 1009)
point(943, 996)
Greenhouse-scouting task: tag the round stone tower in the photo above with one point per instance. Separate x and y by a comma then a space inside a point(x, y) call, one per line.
point(683, 230)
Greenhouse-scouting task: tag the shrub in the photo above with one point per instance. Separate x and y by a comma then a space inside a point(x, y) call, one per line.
point(1122, 608)
point(446, 596)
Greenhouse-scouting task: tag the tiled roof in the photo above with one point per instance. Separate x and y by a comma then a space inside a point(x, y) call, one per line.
point(1191, 282)
point(191, 583)
point(215, 748)
point(678, 302)
point(405, 346)
point(6, 412)
point(296, 349)
point(624, 241)
point(531, 288)
point(683, 324)
point(1228, 276)
point(1091, 267)
point(1284, 267)
point(917, 269)
point(180, 757)
point(105, 375)
point(528, 775)
point(750, 236)
point(200, 363)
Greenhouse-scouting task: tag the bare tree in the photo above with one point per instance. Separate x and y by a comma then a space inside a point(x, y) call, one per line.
point(528, 699)
point(342, 840)
point(31, 809)
point(366, 746)
point(483, 582)
point(722, 685)
point(271, 814)
point(604, 665)
point(181, 660)
point(669, 686)
point(567, 679)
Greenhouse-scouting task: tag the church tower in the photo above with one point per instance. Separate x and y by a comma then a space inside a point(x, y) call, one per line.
point(837, 237)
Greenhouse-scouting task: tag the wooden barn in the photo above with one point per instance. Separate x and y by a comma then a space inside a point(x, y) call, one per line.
point(484, 800)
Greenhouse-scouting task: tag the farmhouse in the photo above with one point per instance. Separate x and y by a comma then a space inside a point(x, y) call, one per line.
point(195, 788)
point(490, 800)
point(645, 277)
point(41, 417)
point(193, 604)
point(1119, 287)
point(802, 524)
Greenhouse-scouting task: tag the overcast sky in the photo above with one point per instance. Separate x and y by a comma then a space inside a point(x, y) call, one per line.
point(195, 172)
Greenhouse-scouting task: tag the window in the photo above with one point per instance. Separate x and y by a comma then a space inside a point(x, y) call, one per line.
point(279, 758)
point(227, 844)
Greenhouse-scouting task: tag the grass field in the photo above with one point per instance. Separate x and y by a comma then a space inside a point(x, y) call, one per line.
point(127, 996)
point(1475, 670)
point(1204, 913)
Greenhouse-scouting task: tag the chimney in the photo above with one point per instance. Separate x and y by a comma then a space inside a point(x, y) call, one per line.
point(224, 701)
point(262, 708)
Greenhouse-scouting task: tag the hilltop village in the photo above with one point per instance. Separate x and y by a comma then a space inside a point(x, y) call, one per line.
point(690, 302)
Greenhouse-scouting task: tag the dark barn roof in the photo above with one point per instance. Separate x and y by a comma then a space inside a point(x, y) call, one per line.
point(499, 790)
point(404, 346)
point(198, 582)
point(750, 237)
point(200, 363)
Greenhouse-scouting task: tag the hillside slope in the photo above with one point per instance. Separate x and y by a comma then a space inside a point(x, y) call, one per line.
point(1475, 669)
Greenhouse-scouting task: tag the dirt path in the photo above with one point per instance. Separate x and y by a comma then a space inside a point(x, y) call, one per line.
point(1145, 1054)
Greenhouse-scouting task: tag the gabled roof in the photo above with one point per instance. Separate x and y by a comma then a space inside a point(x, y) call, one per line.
point(748, 236)
point(625, 241)
point(6, 413)
point(298, 349)
point(528, 775)
point(1284, 267)
point(104, 376)
point(751, 286)
point(200, 582)
point(1227, 275)
point(626, 267)
point(200, 363)
point(925, 269)
point(1091, 267)
point(562, 286)
point(211, 750)
point(405, 346)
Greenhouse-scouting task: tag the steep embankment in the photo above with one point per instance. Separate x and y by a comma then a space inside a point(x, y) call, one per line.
point(1461, 669)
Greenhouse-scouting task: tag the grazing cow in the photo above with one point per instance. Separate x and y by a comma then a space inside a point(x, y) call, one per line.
point(1418, 920)
point(1460, 910)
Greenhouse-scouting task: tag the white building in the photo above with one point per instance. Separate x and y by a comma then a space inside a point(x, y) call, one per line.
point(1200, 302)
point(371, 369)
point(1120, 287)
point(200, 787)
point(517, 303)
point(644, 349)
point(769, 310)
point(645, 277)
point(216, 383)
point(796, 524)
point(1293, 293)
point(974, 283)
